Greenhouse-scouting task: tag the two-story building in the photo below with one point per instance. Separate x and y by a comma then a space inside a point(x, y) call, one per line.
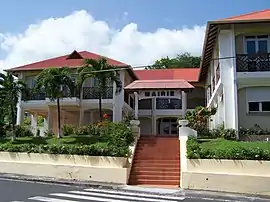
point(155, 97)
point(236, 69)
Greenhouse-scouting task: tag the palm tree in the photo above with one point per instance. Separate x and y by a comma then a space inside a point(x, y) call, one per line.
point(104, 74)
point(10, 90)
point(53, 82)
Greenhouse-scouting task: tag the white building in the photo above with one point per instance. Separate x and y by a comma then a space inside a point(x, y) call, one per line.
point(236, 70)
point(156, 97)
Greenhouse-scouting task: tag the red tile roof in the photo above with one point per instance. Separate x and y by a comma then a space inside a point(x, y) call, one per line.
point(159, 84)
point(258, 15)
point(188, 74)
point(74, 59)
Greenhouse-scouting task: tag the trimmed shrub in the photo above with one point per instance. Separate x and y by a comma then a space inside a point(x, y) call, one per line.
point(97, 149)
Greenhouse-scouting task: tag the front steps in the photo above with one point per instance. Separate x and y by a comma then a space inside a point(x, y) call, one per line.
point(156, 162)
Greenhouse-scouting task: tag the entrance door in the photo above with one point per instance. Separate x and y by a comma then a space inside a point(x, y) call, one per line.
point(167, 126)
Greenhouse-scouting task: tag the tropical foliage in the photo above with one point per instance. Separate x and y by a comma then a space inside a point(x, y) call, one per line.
point(10, 90)
point(105, 75)
point(185, 60)
point(56, 83)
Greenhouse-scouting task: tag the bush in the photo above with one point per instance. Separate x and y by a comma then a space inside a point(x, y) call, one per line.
point(118, 134)
point(227, 149)
point(98, 149)
point(68, 129)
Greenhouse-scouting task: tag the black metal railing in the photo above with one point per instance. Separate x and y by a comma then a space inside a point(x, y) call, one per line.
point(93, 93)
point(33, 96)
point(253, 63)
point(168, 103)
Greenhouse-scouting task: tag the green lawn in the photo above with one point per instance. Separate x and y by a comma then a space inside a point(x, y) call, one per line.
point(84, 140)
point(227, 149)
point(221, 143)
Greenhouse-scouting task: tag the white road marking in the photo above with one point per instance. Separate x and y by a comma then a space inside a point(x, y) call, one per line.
point(47, 199)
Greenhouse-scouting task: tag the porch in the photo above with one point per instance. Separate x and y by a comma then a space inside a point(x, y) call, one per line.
point(69, 115)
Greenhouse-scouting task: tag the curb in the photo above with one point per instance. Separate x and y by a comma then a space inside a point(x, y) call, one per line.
point(192, 194)
point(59, 181)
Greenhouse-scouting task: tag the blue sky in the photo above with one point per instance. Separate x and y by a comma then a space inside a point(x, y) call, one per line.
point(16, 15)
point(137, 32)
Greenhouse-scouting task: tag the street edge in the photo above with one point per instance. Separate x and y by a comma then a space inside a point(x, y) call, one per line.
point(188, 193)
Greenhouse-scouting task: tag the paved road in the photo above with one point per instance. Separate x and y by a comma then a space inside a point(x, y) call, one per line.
point(23, 191)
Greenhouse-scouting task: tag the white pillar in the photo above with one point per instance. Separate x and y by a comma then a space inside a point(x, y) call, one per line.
point(45, 121)
point(154, 116)
point(118, 100)
point(20, 111)
point(50, 119)
point(184, 103)
point(136, 107)
point(226, 42)
point(34, 123)
point(81, 118)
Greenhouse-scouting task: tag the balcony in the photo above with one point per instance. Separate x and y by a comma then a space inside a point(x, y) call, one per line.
point(253, 63)
point(34, 96)
point(92, 93)
point(168, 103)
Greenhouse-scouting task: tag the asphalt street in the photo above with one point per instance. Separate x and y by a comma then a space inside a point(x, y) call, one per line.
point(25, 191)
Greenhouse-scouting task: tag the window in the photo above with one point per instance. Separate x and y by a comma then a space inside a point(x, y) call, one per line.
point(263, 106)
point(266, 106)
point(254, 106)
point(256, 44)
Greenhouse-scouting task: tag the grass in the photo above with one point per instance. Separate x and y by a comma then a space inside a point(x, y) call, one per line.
point(221, 143)
point(66, 140)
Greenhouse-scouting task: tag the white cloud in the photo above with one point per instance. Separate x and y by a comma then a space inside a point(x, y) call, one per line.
point(80, 31)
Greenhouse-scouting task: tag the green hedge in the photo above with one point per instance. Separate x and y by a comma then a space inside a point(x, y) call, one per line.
point(227, 149)
point(97, 149)
point(101, 139)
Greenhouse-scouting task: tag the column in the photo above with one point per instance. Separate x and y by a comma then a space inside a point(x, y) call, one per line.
point(154, 117)
point(81, 118)
point(20, 111)
point(34, 123)
point(226, 42)
point(92, 117)
point(184, 103)
point(50, 119)
point(118, 100)
point(136, 107)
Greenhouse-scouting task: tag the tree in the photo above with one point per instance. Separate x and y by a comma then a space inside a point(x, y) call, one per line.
point(10, 90)
point(56, 82)
point(104, 73)
point(180, 61)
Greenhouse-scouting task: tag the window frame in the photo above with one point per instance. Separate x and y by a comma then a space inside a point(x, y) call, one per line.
point(256, 38)
point(260, 106)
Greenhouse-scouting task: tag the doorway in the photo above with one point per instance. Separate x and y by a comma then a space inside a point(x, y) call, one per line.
point(167, 126)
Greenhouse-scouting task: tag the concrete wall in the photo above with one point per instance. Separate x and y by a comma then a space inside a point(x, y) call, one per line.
point(73, 167)
point(241, 176)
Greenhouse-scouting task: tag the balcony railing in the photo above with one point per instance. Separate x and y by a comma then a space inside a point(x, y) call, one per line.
point(92, 93)
point(253, 63)
point(168, 103)
point(34, 96)
point(42, 96)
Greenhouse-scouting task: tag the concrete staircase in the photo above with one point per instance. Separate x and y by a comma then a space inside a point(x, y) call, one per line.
point(156, 162)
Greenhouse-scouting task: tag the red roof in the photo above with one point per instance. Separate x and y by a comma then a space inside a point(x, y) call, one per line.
point(75, 59)
point(188, 74)
point(258, 15)
point(159, 84)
